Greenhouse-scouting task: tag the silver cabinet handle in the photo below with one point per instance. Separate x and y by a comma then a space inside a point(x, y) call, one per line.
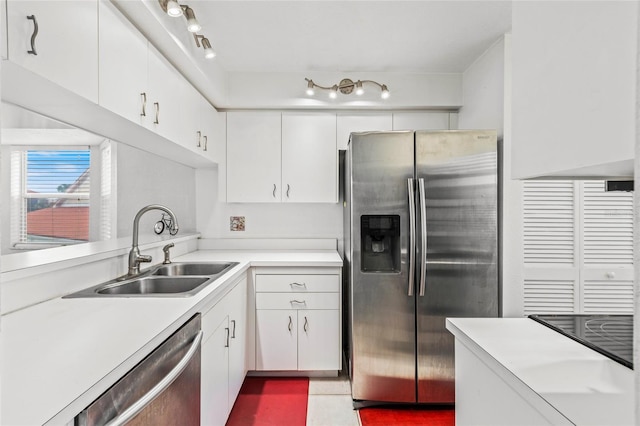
point(423, 240)
point(157, 105)
point(290, 323)
point(233, 333)
point(33, 35)
point(144, 104)
point(226, 345)
point(199, 133)
point(412, 234)
point(298, 302)
point(299, 285)
point(306, 324)
point(288, 189)
point(205, 143)
point(274, 190)
point(147, 398)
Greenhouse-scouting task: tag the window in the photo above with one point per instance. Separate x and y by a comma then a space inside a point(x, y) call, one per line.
point(52, 200)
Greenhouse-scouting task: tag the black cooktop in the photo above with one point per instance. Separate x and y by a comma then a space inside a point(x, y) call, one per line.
point(611, 335)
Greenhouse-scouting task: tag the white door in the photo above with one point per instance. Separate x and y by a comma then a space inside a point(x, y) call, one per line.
point(578, 248)
point(237, 303)
point(66, 44)
point(214, 403)
point(276, 339)
point(309, 158)
point(253, 157)
point(319, 339)
point(123, 66)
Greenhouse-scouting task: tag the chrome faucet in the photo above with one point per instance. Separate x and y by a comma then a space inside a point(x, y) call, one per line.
point(135, 258)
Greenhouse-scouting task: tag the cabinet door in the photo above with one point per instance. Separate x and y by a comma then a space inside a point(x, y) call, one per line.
point(309, 158)
point(123, 65)
point(214, 404)
point(66, 45)
point(360, 123)
point(421, 121)
point(253, 157)
point(237, 302)
point(276, 340)
point(319, 339)
point(166, 98)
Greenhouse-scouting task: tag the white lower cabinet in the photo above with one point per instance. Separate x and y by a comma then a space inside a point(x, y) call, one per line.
point(223, 355)
point(298, 321)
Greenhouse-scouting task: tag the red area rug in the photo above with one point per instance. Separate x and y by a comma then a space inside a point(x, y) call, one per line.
point(271, 401)
point(407, 416)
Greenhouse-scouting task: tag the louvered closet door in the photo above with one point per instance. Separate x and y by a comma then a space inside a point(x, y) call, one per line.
point(578, 248)
point(551, 273)
point(607, 250)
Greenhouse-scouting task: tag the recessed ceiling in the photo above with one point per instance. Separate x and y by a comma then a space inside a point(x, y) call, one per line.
point(374, 36)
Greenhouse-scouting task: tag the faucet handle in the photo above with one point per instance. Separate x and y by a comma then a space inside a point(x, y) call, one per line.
point(165, 249)
point(144, 258)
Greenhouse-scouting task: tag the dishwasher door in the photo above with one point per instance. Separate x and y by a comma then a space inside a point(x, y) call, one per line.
point(163, 389)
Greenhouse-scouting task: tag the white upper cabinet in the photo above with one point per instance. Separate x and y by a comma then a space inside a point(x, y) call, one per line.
point(360, 123)
point(253, 157)
point(57, 40)
point(123, 66)
point(421, 121)
point(573, 99)
point(309, 158)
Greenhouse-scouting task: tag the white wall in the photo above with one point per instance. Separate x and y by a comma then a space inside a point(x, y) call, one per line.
point(144, 178)
point(487, 105)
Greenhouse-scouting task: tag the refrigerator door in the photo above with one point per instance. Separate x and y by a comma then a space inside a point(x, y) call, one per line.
point(380, 170)
point(457, 173)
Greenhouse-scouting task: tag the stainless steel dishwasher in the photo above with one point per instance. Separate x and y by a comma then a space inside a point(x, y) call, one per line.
point(163, 389)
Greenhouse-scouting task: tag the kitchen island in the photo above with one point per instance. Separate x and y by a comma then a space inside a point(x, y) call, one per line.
point(516, 371)
point(60, 355)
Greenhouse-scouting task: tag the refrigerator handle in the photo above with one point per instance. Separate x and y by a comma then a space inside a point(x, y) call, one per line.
point(423, 239)
point(412, 234)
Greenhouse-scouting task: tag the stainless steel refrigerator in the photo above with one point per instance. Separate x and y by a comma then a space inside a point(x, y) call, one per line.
point(421, 245)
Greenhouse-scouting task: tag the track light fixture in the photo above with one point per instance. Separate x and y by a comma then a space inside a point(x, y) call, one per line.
point(346, 87)
point(175, 9)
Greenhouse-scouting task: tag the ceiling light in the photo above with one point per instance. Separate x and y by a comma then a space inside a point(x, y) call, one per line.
point(310, 90)
point(172, 8)
point(193, 25)
point(346, 87)
point(209, 53)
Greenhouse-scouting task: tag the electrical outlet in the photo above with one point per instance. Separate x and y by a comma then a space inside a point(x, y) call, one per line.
point(236, 223)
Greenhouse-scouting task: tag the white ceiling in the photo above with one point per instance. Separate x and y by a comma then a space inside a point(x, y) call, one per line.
point(352, 36)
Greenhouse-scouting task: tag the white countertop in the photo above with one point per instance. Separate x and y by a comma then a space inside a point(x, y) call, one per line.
point(58, 356)
point(585, 386)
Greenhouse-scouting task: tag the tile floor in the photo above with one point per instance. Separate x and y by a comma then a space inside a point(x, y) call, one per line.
point(330, 402)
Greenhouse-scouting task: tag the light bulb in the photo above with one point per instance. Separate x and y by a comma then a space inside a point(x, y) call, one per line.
point(359, 89)
point(193, 25)
point(334, 92)
point(310, 91)
point(209, 53)
point(385, 92)
point(174, 9)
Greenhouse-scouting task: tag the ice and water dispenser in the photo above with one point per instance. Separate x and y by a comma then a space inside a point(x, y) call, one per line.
point(380, 244)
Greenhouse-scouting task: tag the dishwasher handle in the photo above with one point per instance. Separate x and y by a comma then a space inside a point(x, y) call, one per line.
point(147, 398)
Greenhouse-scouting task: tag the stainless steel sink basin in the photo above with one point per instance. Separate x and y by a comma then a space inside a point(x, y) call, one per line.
point(172, 280)
point(154, 285)
point(179, 269)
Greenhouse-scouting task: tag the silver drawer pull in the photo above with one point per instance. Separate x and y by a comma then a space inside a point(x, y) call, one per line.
point(299, 285)
point(298, 302)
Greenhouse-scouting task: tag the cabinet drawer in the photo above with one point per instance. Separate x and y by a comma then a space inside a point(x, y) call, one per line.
point(297, 283)
point(297, 301)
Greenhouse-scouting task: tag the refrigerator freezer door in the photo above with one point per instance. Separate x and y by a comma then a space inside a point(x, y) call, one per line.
point(459, 171)
point(380, 167)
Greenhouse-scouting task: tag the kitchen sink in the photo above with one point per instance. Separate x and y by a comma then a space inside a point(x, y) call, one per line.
point(154, 285)
point(170, 280)
point(178, 269)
